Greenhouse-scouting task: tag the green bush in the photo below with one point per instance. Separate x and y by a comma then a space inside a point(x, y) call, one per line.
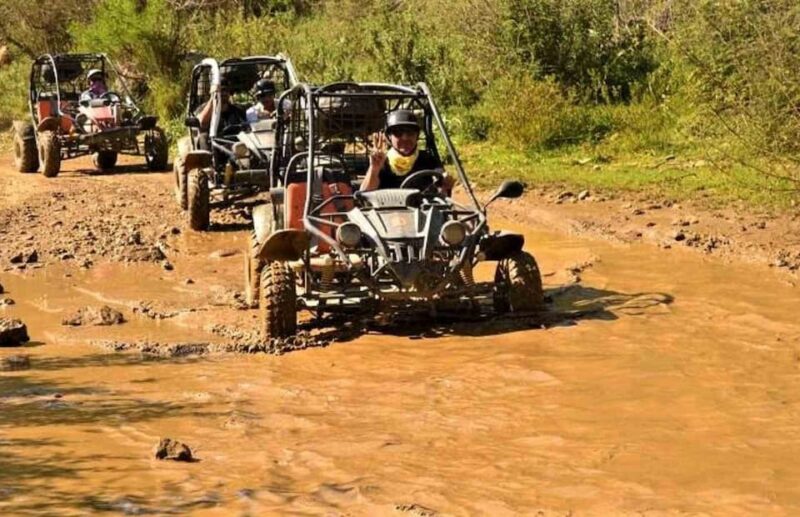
point(14, 94)
point(538, 115)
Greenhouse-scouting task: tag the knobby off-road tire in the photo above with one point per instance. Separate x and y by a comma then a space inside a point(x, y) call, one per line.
point(252, 271)
point(49, 153)
point(278, 300)
point(180, 182)
point(518, 284)
point(26, 157)
point(156, 150)
point(104, 160)
point(198, 203)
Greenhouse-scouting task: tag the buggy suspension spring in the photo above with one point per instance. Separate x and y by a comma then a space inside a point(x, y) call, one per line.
point(326, 274)
point(466, 275)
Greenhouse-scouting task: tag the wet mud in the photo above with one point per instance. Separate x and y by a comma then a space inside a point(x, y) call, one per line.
point(656, 382)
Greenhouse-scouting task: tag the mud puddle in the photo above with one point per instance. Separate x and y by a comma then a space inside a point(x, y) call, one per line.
point(675, 393)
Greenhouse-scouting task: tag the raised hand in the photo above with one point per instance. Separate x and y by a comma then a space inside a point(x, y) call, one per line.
point(377, 156)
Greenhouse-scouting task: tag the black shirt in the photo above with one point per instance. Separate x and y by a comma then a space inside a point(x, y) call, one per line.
point(425, 161)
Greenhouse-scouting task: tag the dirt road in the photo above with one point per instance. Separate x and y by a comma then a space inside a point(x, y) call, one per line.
point(675, 393)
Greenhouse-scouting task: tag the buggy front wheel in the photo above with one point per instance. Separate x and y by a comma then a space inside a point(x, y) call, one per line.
point(104, 160)
point(278, 301)
point(252, 271)
point(198, 200)
point(26, 158)
point(49, 153)
point(156, 150)
point(518, 284)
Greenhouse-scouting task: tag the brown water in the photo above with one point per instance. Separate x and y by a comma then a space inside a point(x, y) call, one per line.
point(680, 396)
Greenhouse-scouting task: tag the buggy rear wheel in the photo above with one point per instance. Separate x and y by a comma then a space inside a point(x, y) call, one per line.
point(49, 153)
point(26, 158)
point(278, 301)
point(518, 284)
point(156, 150)
point(104, 160)
point(198, 195)
point(252, 271)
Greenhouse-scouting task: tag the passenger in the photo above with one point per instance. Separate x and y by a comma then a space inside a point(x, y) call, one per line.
point(389, 169)
point(97, 85)
point(264, 108)
point(230, 114)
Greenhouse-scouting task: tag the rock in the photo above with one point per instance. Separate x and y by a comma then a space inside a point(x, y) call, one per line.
point(6, 301)
point(583, 194)
point(188, 281)
point(564, 195)
point(14, 363)
point(167, 266)
point(169, 449)
point(104, 315)
point(638, 211)
point(13, 332)
point(679, 236)
point(1, 289)
point(223, 253)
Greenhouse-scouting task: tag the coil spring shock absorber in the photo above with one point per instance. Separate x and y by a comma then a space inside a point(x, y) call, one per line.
point(326, 274)
point(466, 274)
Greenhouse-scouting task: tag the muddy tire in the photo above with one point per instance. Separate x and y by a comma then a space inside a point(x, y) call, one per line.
point(104, 160)
point(278, 301)
point(198, 202)
point(252, 271)
point(49, 153)
point(180, 182)
point(156, 150)
point(518, 284)
point(26, 157)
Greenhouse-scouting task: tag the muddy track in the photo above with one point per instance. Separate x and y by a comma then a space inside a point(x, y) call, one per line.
point(660, 380)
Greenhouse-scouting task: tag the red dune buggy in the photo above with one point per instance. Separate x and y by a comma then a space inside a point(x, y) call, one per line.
point(67, 121)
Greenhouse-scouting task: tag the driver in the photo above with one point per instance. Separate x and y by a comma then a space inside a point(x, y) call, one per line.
point(97, 85)
point(389, 169)
point(229, 115)
point(264, 108)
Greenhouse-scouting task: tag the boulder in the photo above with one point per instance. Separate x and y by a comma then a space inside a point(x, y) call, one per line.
point(104, 315)
point(169, 449)
point(13, 332)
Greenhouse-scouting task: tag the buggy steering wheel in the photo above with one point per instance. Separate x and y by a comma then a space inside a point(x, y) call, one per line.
point(111, 97)
point(423, 180)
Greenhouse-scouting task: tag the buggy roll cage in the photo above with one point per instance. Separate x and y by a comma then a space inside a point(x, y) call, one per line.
point(280, 167)
point(279, 60)
point(99, 60)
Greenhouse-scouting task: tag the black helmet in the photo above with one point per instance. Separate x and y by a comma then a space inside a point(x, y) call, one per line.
point(263, 87)
point(401, 118)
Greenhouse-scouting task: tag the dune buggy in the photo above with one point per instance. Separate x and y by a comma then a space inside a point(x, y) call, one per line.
point(226, 161)
point(64, 126)
point(322, 245)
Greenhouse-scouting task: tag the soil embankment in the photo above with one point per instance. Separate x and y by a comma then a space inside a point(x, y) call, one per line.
point(675, 392)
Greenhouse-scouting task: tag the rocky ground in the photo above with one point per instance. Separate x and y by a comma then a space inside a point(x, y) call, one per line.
point(733, 233)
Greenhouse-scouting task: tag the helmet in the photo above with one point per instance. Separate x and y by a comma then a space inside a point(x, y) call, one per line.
point(401, 118)
point(93, 72)
point(263, 87)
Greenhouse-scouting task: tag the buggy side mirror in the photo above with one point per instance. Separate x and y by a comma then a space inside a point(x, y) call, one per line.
point(193, 122)
point(509, 190)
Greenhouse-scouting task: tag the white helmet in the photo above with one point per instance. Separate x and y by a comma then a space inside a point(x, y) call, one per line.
point(93, 72)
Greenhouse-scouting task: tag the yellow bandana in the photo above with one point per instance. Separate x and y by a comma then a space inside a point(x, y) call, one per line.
point(400, 164)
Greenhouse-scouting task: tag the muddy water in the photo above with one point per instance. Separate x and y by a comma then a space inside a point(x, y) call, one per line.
point(677, 394)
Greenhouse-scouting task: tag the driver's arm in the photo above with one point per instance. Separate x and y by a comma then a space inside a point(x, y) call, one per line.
point(205, 114)
point(372, 179)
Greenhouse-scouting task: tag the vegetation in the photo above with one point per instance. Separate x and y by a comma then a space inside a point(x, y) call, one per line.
point(534, 86)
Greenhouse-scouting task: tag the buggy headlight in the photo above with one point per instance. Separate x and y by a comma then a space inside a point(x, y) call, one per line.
point(240, 150)
point(454, 232)
point(349, 235)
